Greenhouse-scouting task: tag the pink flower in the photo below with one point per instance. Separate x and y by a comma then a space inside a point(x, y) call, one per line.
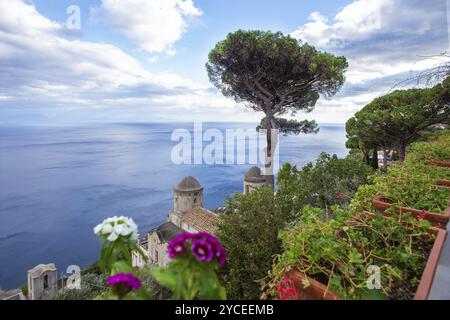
point(129, 281)
point(202, 250)
point(422, 215)
point(121, 284)
point(204, 247)
point(286, 290)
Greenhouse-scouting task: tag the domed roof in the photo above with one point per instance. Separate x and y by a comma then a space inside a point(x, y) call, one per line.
point(254, 175)
point(189, 184)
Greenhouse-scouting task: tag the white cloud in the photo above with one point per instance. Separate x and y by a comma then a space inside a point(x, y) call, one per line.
point(384, 41)
point(43, 73)
point(153, 25)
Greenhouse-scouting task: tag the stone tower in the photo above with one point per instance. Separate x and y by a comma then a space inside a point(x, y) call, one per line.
point(253, 179)
point(188, 194)
point(42, 280)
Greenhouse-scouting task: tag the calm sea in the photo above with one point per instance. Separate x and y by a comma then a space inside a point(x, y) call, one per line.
point(57, 183)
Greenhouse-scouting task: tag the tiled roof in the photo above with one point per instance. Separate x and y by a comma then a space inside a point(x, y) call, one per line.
point(201, 219)
point(167, 232)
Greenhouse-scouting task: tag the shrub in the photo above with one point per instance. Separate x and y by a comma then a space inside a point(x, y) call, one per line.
point(249, 234)
point(92, 285)
point(331, 181)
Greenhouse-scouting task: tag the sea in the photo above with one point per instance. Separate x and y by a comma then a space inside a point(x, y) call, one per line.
point(58, 182)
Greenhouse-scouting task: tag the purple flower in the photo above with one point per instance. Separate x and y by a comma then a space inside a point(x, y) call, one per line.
point(177, 246)
point(202, 250)
point(128, 281)
point(204, 247)
point(221, 256)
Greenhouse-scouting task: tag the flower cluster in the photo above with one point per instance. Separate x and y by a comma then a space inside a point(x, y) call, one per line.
point(287, 290)
point(113, 228)
point(204, 247)
point(128, 281)
point(121, 284)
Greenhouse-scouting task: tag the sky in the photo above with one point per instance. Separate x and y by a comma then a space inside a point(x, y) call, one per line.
point(144, 60)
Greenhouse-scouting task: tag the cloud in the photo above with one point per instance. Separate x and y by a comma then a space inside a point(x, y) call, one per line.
point(152, 25)
point(43, 73)
point(384, 41)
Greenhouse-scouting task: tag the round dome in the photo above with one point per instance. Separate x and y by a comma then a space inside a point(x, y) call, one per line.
point(254, 175)
point(189, 184)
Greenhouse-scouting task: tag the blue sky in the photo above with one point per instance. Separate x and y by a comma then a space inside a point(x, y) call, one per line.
point(143, 60)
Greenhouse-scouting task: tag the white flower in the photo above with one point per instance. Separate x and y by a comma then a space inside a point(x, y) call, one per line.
point(114, 227)
point(107, 228)
point(122, 229)
point(98, 228)
point(112, 237)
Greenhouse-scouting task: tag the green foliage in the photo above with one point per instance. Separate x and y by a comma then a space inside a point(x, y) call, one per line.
point(249, 234)
point(188, 279)
point(412, 184)
point(268, 69)
point(24, 289)
point(338, 252)
point(275, 74)
point(439, 149)
point(406, 187)
point(398, 118)
point(150, 285)
point(92, 269)
point(92, 285)
point(286, 126)
point(331, 181)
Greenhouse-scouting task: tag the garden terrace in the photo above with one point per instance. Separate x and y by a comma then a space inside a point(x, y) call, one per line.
point(331, 259)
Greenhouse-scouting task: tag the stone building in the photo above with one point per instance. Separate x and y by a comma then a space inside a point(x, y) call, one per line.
point(253, 179)
point(42, 280)
point(187, 215)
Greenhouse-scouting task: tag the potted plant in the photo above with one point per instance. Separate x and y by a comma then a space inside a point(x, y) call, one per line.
point(351, 245)
point(383, 203)
point(443, 182)
point(439, 163)
point(308, 288)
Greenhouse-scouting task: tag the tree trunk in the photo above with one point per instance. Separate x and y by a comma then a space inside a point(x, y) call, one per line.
point(385, 160)
point(402, 152)
point(269, 175)
point(366, 157)
point(374, 163)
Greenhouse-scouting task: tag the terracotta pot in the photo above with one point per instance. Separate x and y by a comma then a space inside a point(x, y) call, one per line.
point(443, 182)
point(437, 220)
point(318, 291)
point(437, 163)
point(315, 290)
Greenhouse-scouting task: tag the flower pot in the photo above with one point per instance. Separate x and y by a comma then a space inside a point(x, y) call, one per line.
point(315, 290)
point(318, 291)
point(443, 182)
point(437, 220)
point(437, 163)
